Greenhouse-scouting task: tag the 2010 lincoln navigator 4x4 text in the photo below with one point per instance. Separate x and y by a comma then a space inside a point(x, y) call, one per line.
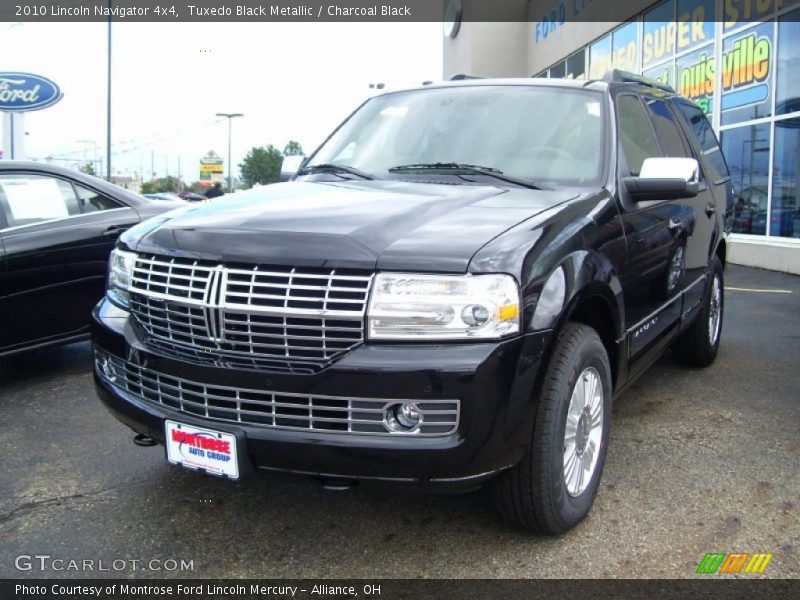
point(449, 293)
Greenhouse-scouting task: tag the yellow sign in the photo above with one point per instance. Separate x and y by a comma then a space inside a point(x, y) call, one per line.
point(211, 169)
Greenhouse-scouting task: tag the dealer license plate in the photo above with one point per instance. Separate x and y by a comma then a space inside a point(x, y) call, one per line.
point(202, 449)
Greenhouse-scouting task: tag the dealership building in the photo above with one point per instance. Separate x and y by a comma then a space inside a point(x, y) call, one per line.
point(738, 59)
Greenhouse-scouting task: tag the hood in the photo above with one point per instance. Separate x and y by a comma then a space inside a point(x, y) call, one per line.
point(367, 225)
point(148, 208)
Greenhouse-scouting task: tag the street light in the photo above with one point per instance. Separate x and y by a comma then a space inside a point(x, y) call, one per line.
point(230, 117)
point(108, 97)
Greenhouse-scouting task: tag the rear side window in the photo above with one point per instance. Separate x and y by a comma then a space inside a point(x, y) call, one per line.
point(709, 146)
point(635, 133)
point(673, 141)
point(93, 202)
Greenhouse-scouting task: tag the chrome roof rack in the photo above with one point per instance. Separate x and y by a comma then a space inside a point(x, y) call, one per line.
point(617, 76)
point(462, 76)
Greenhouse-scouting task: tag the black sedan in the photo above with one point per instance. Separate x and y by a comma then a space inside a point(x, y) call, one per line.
point(57, 229)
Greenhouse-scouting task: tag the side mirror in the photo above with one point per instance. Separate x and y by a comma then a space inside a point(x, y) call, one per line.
point(290, 166)
point(664, 179)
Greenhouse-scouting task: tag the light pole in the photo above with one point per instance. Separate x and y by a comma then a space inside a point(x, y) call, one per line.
point(230, 117)
point(108, 100)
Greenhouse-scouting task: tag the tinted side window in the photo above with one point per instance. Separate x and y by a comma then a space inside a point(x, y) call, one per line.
point(673, 141)
point(709, 146)
point(27, 199)
point(635, 133)
point(93, 202)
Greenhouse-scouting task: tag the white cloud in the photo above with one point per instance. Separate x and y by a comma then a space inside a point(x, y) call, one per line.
point(296, 80)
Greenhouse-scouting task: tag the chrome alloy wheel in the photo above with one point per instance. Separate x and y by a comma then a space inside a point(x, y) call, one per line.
point(715, 311)
point(583, 431)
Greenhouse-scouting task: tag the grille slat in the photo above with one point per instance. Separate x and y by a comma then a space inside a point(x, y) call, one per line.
point(248, 295)
point(298, 319)
point(279, 410)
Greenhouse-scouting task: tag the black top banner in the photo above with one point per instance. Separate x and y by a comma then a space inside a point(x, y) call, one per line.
point(239, 10)
point(445, 11)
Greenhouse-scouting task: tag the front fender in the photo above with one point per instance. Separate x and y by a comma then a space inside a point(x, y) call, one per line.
point(586, 276)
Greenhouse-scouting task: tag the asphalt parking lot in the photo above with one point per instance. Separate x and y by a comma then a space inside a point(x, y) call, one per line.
point(700, 461)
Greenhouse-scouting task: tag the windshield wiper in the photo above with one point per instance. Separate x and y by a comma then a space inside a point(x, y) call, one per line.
point(466, 169)
point(335, 169)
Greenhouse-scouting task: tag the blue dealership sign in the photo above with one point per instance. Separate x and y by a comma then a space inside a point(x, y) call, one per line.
point(23, 92)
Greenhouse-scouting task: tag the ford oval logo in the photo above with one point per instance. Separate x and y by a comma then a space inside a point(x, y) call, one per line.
point(22, 92)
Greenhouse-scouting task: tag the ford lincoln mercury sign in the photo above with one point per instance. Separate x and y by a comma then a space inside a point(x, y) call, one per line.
point(23, 92)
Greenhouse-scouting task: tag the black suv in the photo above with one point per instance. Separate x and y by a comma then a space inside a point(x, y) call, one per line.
point(449, 293)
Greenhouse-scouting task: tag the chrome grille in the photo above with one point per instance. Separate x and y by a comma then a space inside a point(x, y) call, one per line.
point(269, 317)
point(172, 279)
point(262, 408)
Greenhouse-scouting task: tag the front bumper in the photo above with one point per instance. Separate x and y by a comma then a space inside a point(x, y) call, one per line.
point(494, 383)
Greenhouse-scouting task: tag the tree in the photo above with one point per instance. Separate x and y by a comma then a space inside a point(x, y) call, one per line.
point(293, 148)
point(262, 165)
point(195, 187)
point(87, 167)
point(162, 185)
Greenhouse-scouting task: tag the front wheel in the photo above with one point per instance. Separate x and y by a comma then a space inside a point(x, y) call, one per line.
point(698, 345)
point(552, 489)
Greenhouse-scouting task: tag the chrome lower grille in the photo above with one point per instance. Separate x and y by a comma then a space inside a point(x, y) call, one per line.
point(262, 408)
point(271, 317)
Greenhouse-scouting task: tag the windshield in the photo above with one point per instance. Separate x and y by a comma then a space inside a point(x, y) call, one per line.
point(550, 135)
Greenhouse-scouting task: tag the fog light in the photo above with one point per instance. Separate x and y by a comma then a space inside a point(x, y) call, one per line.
point(403, 417)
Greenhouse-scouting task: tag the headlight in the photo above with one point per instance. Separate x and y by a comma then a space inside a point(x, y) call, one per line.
point(406, 306)
point(120, 272)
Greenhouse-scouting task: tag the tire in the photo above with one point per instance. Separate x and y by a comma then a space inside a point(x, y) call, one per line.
point(697, 346)
point(535, 495)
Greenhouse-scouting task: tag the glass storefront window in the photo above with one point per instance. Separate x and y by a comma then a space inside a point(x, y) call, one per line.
point(695, 24)
point(658, 39)
point(600, 58)
point(785, 217)
point(576, 65)
point(625, 47)
point(558, 70)
point(695, 77)
point(663, 74)
point(746, 69)
point(787, 87)
point(738, 13)
point(675, 44)
point(746, 150)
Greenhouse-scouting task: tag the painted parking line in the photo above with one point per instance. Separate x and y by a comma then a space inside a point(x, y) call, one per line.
point(738, 289)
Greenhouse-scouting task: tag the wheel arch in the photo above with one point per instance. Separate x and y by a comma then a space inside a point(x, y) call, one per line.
point(592, 308)
point(592, 296)
point(722, 252)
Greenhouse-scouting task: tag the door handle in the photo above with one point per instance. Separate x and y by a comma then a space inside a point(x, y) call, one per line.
point(710, 209)
point(114, 231)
